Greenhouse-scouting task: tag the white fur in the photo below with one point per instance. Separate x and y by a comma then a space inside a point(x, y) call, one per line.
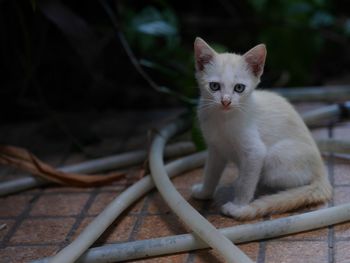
point(260, 132)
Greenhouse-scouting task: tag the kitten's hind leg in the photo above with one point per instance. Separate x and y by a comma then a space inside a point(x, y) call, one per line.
point(214, 167)
point(290, 163)
point(296, 167)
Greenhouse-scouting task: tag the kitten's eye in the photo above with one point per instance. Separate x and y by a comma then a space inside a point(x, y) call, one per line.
point(214, 86)
point(239, 88)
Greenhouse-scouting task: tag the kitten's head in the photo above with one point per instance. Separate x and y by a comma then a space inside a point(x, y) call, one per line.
point(226, 80)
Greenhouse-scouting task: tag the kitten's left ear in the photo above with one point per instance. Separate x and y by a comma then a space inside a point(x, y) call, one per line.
point(203, 53)
point(256, 59)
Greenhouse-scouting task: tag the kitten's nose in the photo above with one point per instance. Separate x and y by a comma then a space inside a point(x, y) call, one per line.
point(225, 103)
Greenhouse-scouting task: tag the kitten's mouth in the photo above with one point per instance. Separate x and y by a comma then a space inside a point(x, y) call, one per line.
point(226, 108)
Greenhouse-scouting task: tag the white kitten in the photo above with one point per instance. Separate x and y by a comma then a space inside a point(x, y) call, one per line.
point(259, 131)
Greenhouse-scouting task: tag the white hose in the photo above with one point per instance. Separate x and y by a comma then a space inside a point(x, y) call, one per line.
point(317, 94)
point(237, 234)
point(206, 231)
point(97, 165)
point(334, 146)
point(321, 114)
point(92, 232)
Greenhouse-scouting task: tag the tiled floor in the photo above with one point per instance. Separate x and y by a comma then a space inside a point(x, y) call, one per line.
point(39, 222)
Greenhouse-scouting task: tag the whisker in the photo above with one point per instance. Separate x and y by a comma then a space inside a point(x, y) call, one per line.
point(206, 104)
point(203, 106)
point(209, 100)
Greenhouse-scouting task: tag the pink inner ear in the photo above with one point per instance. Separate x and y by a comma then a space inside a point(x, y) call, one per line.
point(203, 53)
point(256, 64)
point(256, 59)
point(203, 59)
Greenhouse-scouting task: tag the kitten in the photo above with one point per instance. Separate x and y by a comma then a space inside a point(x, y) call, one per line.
point(257, 130)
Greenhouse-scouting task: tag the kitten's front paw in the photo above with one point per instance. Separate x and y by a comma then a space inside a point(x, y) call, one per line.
point(239, 212)
point(198, 193)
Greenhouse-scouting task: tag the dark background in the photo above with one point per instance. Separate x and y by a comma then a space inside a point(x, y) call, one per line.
point(66, 56)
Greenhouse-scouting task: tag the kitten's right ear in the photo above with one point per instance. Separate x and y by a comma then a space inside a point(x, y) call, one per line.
point(203, 53)
point(256, 59)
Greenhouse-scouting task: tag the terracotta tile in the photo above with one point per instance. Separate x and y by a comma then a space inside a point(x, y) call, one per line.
point(342, 174)
point(25, 254)
point(160, 225)
point(157, 204)
point(119, 231)
point(100, 203)
point(220, 221)
point(298, 251)
point(186, 180)
point(341, 195)
point(103, 199)
point(342, 252)
point(207, 256)
point(179, 258)
point(211, 256)
point(13, 205)
point(251, 250)
point(5, 226)
point(342, 230)
point(59, 205)
point(41, 231)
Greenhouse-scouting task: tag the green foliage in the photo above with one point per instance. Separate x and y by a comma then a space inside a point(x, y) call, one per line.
point(154, 34)
point(144, 28)
point(292, 30)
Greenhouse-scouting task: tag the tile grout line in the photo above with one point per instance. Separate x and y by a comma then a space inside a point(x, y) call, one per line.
point(190, 257)
point(330, 166)
point(19, 220)
point(26, 212)
point(79, 218)
point(261, 252)
point(261, 257)
point(139, 218)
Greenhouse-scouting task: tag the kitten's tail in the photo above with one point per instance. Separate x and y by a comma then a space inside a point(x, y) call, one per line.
point(317, 192)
